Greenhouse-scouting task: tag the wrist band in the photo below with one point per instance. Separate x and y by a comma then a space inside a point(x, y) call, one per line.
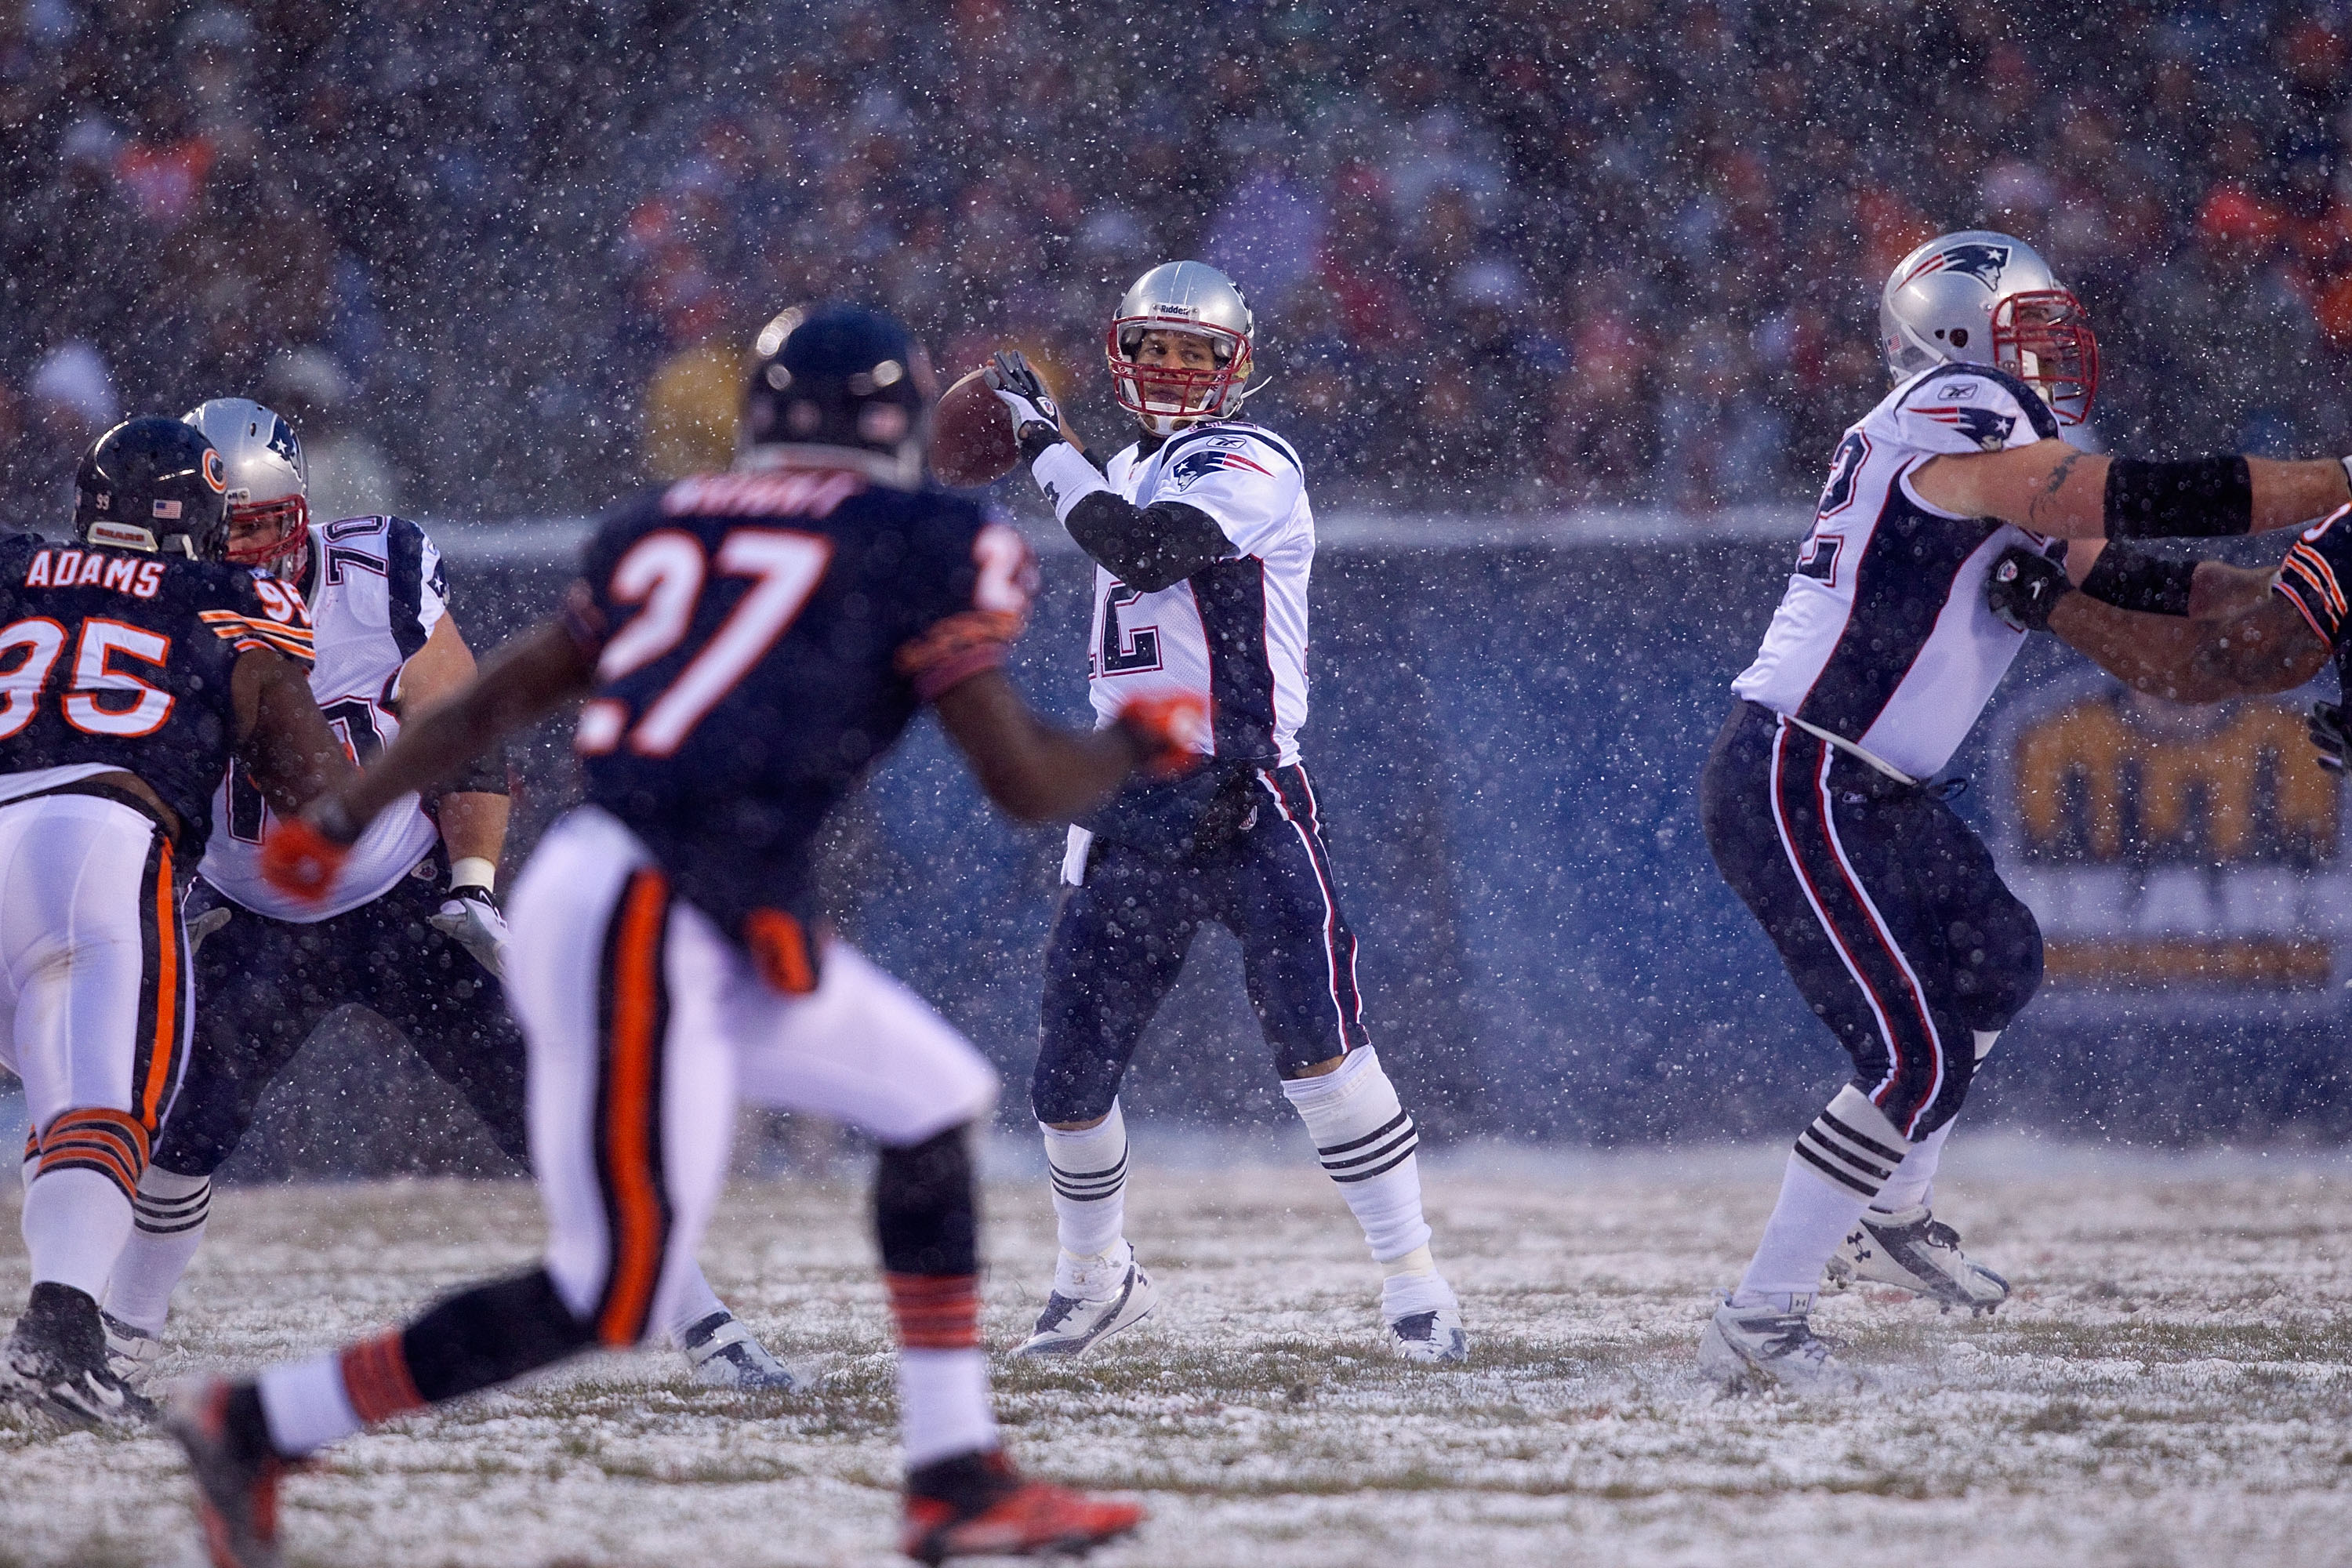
point(2131, 579)
point(1065, 477)
point(2205, 497)
point(474, 872)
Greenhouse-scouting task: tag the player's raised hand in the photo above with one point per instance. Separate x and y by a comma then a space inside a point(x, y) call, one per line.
point(302, 855)
point(2023, 587)
point(1023, 392)
point(1170, 727)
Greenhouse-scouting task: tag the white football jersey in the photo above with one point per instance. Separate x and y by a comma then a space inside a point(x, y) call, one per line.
point(1883, 636)
point(1234, 632)
point(376, 589)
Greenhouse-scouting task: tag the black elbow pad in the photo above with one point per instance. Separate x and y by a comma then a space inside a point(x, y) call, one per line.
point(2204, 498)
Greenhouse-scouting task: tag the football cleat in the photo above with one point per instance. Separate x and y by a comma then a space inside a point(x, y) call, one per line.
point(1431, 1339)
point(1914, 1251)
point(55, 1362)
point(977, 1505)
point(236, 1481)
point(132, 1352)
point(1755, 1347)
point(1073, 1325)
point(725, 1354)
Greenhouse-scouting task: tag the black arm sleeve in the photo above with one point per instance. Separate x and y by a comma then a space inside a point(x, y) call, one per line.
point(1151, 547)
point(2205, 497)
point(2133, 579)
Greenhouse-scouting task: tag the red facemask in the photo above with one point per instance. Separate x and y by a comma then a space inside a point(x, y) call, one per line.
point(2043, 337)
point(284, 533)
point(1173, 392)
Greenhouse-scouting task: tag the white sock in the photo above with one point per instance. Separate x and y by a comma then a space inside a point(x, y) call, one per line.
point(696, 1301)
point(943, 1404)
point(168, 1219)
point(1914, 1182)
point(1838, 1165)
point(1089, 1172)
point(306, 1405)
point(1365, 1139)
point(75, 1223)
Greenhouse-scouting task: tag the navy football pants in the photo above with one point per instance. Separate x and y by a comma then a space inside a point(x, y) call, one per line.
point(263, 985)
point(1120, 939)
point(1886, 907)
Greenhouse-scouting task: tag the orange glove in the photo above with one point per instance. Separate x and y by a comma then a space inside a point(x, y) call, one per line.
point(300, 861)
point(1167, 727)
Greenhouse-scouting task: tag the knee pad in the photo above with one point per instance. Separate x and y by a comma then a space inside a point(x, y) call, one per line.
point(926, 1212)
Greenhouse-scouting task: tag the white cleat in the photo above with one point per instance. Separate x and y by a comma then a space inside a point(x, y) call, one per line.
point(1073, 1325)
point(1914, 1251)
point(1755, 1347)
point(725, 1354)
point(132, 1352)
point(1433, 1338)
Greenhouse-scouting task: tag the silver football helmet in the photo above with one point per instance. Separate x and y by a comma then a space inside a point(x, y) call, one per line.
point(268, 482)
point(1981, 298)
point(1182, 297)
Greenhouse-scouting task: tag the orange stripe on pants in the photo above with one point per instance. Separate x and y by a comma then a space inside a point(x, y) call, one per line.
point(164, 1048)
point(633, 1050)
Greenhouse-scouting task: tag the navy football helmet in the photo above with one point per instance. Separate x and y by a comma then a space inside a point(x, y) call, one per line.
point(839, 383)
point(154, 484)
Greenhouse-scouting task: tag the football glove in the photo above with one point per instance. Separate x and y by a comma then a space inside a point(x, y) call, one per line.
point(300, 859)
point(2023, 587)
point(471, 917)
point(1036, 418)
point(1165, 727)
point(2330, 731)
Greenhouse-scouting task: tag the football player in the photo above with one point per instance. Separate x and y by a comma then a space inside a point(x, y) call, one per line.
point(749, 643)
point(1816, 799)
point(411, 930)
point(1202, 540)
point(137, 663)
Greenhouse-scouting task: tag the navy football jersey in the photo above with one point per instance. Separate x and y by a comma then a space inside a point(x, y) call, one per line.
point(762, 638)
point(115, 658)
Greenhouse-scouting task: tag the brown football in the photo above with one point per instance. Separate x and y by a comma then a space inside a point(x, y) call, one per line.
point(972, 436)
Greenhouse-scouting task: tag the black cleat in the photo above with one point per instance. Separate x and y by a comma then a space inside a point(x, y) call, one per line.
point(55, 1362)
point(236, 1472)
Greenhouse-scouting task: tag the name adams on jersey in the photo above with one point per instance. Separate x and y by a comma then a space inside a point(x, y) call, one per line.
point(376, 588)
point(1883, 638)
point(115, 660)
point(761, 637)
point(1234, 633)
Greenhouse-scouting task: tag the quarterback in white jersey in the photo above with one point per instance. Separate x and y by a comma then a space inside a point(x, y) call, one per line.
point(1886, 908)
point(1202, 541)
point(272, 967)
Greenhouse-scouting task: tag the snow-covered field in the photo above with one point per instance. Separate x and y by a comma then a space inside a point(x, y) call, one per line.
point(2173, 1384)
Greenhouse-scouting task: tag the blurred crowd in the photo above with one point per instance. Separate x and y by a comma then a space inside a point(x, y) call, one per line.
point(505, 258)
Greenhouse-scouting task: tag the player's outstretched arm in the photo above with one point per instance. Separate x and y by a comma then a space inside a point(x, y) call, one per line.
point(521, 683)
point(2062, 492)
point(473, 819)
point(2264, 648)
point(1038, 772)
point(282, 738)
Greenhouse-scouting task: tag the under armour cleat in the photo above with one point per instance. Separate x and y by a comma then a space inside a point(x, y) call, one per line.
point(1435, 1338)
point(1073, 1325)
point(725, 1354)
point(1914, 1251)
point(977, 1505)
point(1755, 1347)
point(55, 1362)
point(236, 1474)
point(132, 1352)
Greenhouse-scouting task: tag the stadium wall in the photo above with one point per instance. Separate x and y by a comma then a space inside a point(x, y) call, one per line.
point(1507, 728)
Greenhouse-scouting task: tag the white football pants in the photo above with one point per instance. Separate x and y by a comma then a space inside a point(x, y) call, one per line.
point(644, 1024)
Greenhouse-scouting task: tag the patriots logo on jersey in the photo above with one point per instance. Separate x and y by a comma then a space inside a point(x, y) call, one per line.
point(1203, 461)
point(1982, 426)
point(1977, 260)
